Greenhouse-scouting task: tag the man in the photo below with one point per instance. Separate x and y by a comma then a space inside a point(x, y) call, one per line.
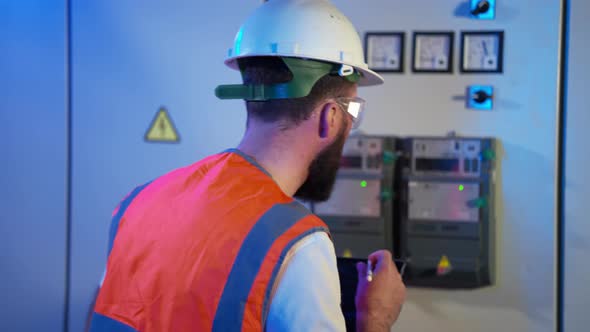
point(222, 245)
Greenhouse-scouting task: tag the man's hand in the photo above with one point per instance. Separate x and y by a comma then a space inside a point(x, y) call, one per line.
point(379, 302)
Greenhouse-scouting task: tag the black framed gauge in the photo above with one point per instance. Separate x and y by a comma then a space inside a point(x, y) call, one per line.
point(433, 52)
point(482, 51)
point(384, 51)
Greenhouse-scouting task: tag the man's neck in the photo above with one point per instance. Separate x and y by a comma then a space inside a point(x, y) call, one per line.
point(280, 154)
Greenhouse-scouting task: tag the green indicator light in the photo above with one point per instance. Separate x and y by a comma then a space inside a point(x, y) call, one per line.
point(461, 187)
point(364, 184)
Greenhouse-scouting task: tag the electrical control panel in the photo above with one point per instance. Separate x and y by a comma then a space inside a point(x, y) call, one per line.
point(360, 209)
point(445, 211)
point(427, 199)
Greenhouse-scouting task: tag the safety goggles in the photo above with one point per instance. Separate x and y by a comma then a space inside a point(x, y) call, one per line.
point(354, 106)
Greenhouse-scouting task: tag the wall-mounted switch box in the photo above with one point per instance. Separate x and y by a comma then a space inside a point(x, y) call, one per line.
point(483, 9)
point(480, 97)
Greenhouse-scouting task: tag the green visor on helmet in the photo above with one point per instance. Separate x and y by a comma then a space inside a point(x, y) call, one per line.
point(306, 73)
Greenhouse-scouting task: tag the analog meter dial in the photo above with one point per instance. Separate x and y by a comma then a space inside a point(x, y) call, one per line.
point(385, 51)
point(433, 52)
point(481, 52)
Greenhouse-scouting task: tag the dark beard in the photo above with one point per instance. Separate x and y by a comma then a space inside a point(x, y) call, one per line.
point(322, 172)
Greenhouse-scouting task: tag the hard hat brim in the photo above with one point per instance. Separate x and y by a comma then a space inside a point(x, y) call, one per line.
point(368, 77)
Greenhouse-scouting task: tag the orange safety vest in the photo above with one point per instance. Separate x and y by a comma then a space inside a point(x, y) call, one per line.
point(199, 249)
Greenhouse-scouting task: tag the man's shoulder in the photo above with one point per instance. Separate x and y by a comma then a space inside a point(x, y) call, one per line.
point(316, 240)
point(306, 294)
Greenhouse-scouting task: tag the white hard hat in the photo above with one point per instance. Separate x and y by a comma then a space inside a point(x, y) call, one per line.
point(308, 29)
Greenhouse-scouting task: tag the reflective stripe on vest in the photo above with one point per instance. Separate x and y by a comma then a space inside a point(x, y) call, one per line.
point(276, 221)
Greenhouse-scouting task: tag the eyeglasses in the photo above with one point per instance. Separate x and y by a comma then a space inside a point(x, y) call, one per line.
point(354, 106)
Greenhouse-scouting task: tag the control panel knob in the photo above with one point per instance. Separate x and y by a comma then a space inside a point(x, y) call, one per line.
point(477, 203)
point(480, 96)
point(482, 7)
point(488, 154)
point(389, 157)
point(386, 195)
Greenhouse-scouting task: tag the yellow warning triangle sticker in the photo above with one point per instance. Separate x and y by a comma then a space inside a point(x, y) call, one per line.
point(444, 266)
point(162, 129)
point(347, 253)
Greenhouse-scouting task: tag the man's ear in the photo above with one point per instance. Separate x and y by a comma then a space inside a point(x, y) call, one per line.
point(327, 120)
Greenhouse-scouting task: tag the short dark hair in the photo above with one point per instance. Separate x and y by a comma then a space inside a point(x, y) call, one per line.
point(272, 70)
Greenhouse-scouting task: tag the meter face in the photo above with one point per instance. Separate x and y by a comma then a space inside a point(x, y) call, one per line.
point(482, 51)
point(385, 51)
point(439, 201)
point(433, 51)
point(353, 197)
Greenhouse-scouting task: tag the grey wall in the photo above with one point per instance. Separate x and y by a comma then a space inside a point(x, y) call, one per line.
point(577, 192)
point(33, 165)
